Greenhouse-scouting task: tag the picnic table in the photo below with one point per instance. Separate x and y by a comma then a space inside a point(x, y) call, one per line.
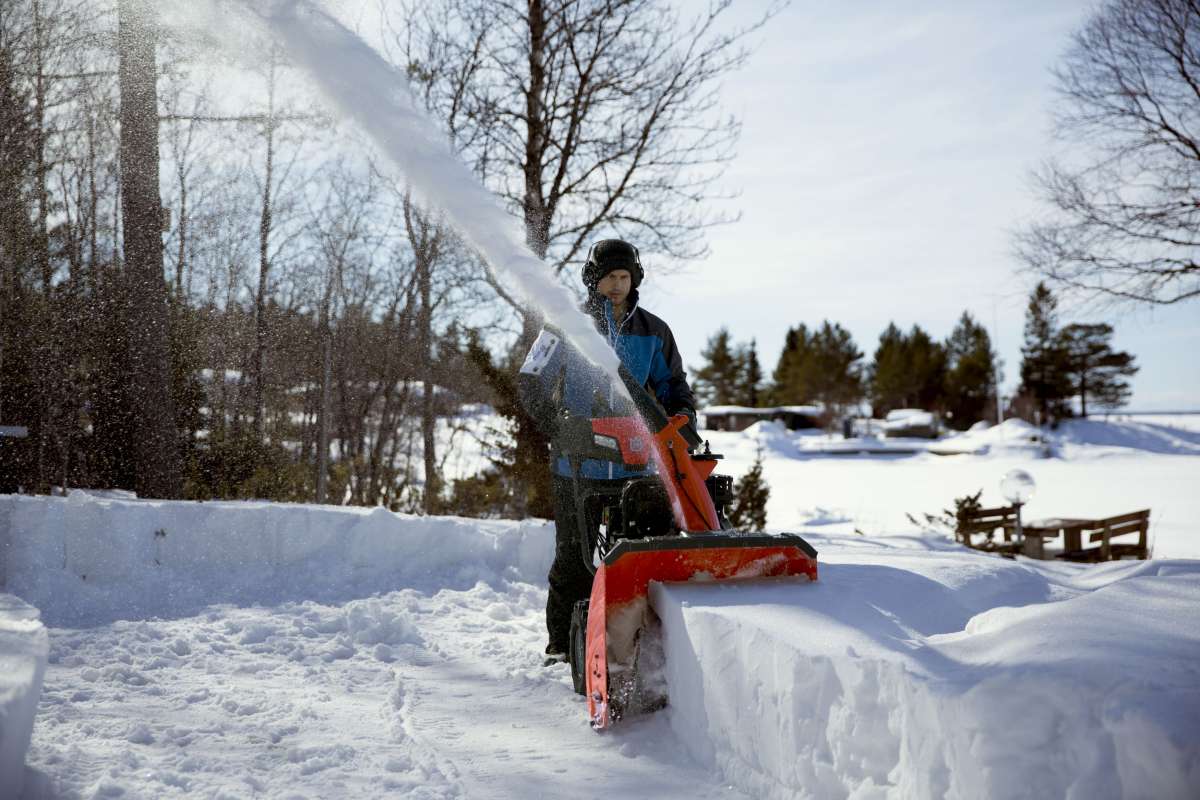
point(1039, 530)
point(1103, 530)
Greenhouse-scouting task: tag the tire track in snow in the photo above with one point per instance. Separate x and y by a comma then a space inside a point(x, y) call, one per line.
point(416, 770)
point(512, 728)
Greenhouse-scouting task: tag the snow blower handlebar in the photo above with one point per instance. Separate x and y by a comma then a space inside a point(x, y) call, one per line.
point(651, 412)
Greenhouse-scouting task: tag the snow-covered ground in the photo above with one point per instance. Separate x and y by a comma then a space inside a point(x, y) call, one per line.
point(260, 650)
point(1087, 468)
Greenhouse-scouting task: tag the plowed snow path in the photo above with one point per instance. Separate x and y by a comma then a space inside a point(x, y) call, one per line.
point(406, 694)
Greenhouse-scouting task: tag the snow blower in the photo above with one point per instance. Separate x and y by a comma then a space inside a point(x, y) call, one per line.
point(667, 526)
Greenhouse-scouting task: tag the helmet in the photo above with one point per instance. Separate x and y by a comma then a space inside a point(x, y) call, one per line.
point(607, 255)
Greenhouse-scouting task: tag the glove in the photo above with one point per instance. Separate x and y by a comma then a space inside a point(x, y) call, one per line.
point(690, 413)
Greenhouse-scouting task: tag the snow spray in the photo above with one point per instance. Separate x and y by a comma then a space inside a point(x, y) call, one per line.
point(375, 95)
point(372, 93)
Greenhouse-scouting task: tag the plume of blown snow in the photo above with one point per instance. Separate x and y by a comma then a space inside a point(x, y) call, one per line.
point(369, 91)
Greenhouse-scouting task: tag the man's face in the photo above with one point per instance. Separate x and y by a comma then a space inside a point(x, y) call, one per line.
point(615, 286)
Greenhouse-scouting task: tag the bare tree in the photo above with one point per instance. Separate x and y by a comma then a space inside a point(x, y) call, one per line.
point(283, 145)
point(426, 236)
point(348, 232)
point(1125, 220)
point(585, 115)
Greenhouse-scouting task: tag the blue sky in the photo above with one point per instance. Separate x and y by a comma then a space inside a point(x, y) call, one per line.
point(883, 165)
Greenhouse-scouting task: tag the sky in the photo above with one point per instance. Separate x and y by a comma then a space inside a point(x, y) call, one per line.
point(883, 166)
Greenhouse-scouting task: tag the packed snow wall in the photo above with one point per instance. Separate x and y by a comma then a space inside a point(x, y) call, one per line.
point(23, 650)
point(87, 559)
point(912, 677)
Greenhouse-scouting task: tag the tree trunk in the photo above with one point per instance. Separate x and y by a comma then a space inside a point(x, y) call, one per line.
point(425, 345)
point(155, 446)
point(531, 447)
point(326, 401)
point(182, 258)
point(326, 410)
point(537, 226)
point(42, 242)
point(258, 385)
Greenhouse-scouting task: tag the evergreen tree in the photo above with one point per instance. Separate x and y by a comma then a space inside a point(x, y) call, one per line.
point(750, 376)
point(748, 509)
point(834, 371)
point(1093, 368)
point(928, 370)
point(889, 372)
point(970, 376)
point(909, 371)
point(1043, 366)
point(522, 467)
point(16, 236)
point(820, 366)
point(787, 381)
point(717, 382)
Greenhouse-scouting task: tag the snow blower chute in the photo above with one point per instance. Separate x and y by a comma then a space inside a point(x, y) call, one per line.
point(667, 527)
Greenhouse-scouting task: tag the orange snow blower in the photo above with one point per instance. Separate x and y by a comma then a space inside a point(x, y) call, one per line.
point(667, 527)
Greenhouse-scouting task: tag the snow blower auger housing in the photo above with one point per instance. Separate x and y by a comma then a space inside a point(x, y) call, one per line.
point(667, 527)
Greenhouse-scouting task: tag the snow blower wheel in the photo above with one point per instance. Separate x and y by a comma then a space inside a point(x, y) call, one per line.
point(577, 651)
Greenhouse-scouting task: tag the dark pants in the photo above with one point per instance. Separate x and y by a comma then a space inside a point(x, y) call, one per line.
point(570, 579)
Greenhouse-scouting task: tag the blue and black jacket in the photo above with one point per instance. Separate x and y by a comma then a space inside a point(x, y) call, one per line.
point(556, 377)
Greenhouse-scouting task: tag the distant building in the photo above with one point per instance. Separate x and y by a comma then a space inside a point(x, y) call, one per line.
point(738, 418)
point(911, 423)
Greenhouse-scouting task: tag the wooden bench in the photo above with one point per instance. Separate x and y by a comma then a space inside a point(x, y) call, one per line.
point(1107, 529)
point(987, 521)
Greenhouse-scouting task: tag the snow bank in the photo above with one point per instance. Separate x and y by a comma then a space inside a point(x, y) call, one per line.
point(86, 559)
point(1073, 439)
point(1014, 437)
point(772, 436)
point(24, 647)
point(909, 676)
point(1151, 437)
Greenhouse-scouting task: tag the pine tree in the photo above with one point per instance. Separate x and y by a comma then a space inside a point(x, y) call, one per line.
point(1043, 366)
point(970, 375)
point(787, 381)
point(16, 235)
point(909, 371)
point(748, 510)
point(927, 365)
point(821, 366)
point(889, 372)
point(1093, 368)
point(717, 382)
point(750, 376)
point(522, 468)
point(836, 374)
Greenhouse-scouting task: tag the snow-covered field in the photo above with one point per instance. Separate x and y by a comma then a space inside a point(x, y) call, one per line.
point(260, 650)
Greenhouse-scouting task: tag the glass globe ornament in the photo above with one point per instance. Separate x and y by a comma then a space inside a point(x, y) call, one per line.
point(1018, 486)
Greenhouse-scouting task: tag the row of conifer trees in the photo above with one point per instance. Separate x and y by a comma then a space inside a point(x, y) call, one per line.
point(1065, 370)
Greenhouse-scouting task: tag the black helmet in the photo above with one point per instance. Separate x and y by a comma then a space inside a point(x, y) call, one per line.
point(607, 255)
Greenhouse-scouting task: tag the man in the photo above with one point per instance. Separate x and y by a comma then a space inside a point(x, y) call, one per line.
point(556, 378)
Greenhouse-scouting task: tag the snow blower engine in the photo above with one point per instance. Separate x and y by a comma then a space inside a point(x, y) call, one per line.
point(667, 526)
